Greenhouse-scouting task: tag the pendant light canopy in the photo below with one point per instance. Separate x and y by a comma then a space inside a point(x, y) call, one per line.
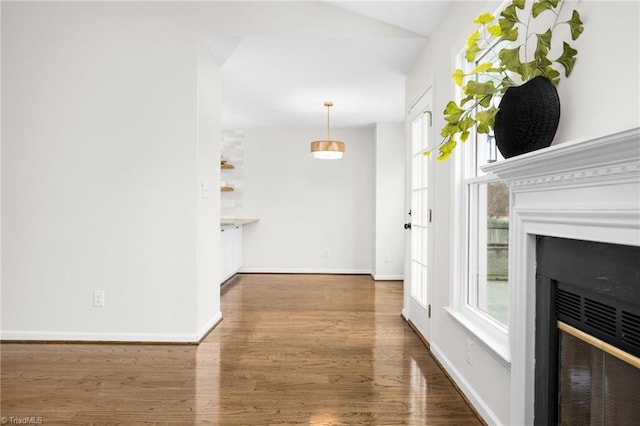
point(328, 149)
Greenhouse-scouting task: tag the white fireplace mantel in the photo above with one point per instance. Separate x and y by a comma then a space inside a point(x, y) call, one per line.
point(586, 189)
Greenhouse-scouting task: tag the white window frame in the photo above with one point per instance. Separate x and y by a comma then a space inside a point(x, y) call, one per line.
point(489, 332)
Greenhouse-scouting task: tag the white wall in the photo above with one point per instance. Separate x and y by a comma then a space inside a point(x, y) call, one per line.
point(100, 174)
point(106, 146)
point(306, 206)
point(208, 228)
point(388, 256)
point(602, 95)
point(607, 56)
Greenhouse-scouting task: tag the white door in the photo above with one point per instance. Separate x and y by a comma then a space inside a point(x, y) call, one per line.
point(417, 287)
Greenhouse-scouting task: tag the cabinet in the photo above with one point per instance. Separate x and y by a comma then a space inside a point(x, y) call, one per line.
point(230, 251)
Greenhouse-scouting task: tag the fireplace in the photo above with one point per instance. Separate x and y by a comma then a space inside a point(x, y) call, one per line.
point(586, 191)
point(587, 336)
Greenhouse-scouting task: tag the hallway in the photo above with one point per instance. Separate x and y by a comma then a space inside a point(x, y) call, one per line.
point(292, 349)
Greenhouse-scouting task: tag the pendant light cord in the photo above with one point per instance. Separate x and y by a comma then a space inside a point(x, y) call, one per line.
point(328, 104)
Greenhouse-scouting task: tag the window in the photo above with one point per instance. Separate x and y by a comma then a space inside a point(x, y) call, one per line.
point(487, 248)
point(481, 300)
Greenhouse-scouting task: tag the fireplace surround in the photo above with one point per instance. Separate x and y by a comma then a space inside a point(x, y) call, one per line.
point(593, 288)
point(587, 189)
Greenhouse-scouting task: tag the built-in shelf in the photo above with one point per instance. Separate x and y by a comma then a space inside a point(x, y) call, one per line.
point(226, 188)
point(227, 166)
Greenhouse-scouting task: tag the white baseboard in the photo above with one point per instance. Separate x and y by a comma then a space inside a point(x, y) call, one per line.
point(305, 271)
point(62, 336)
point(387, 277)
point(478, 403)
point(71, 336)
point(209, 325)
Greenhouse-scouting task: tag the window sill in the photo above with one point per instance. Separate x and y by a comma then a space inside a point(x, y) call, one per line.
point(498, 348)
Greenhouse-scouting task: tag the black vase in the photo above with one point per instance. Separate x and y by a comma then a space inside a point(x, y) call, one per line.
point(528, 117)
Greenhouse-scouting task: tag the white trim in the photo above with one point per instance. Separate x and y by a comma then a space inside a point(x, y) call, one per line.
point(474, 398)
point(99, 337)
point(387, 277)
point(72, 336)
point(467, 237)
point(497, 347)
point(587, 189)
point(419, 96)
point(206, 328)
point(488, 331)
point(569, 163)
point(305, 271)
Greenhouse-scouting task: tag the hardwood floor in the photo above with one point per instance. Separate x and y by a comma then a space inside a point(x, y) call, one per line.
point(292, 349)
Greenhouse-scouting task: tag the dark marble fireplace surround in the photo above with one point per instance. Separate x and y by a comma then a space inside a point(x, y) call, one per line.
point(586, 190)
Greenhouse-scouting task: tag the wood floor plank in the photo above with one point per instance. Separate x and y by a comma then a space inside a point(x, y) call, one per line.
point(292, 350)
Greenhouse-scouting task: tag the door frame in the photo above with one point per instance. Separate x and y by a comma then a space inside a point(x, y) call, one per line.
point(420, 319)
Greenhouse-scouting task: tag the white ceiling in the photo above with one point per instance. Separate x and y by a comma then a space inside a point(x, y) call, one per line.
point(282, 79)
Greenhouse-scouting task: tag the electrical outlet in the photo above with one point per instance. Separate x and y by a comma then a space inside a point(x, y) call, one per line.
point(325, 253)
point(469, 351)
point(98, 298)
point(387, 258)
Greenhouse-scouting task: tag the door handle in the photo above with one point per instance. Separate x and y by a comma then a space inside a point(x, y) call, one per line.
point(407, 226)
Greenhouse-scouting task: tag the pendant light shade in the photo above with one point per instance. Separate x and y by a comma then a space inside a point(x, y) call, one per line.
point(328, 149)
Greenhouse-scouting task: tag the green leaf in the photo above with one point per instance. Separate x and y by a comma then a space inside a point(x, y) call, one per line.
point(576, 25)
point(466, 99)
point(481, 89)
point(519, 3)
point(473, 38)
point(472, 51)
point(510, 35)
point(464, 136)
point(508, 20)
point(483, 18)
point(485, 102)
point(509, 15)
point(446, 149)
point(495, 30)
point(542, 5)
point(467, 123)
point(484, 67)
point(486, 119)
point(528, 70)
point(458, 76)
point(552, 74)
point(448, 130)
point(543, 45)
point(567, 59)
point(453, 110)
point(505, 84)
point(510, 58)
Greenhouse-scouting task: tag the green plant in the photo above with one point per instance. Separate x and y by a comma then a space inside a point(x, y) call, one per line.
point(509, 53)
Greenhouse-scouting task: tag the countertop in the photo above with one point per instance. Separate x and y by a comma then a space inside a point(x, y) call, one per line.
point(236, 221)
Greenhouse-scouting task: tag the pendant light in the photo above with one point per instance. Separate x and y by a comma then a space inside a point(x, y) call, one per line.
point(328, 149)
